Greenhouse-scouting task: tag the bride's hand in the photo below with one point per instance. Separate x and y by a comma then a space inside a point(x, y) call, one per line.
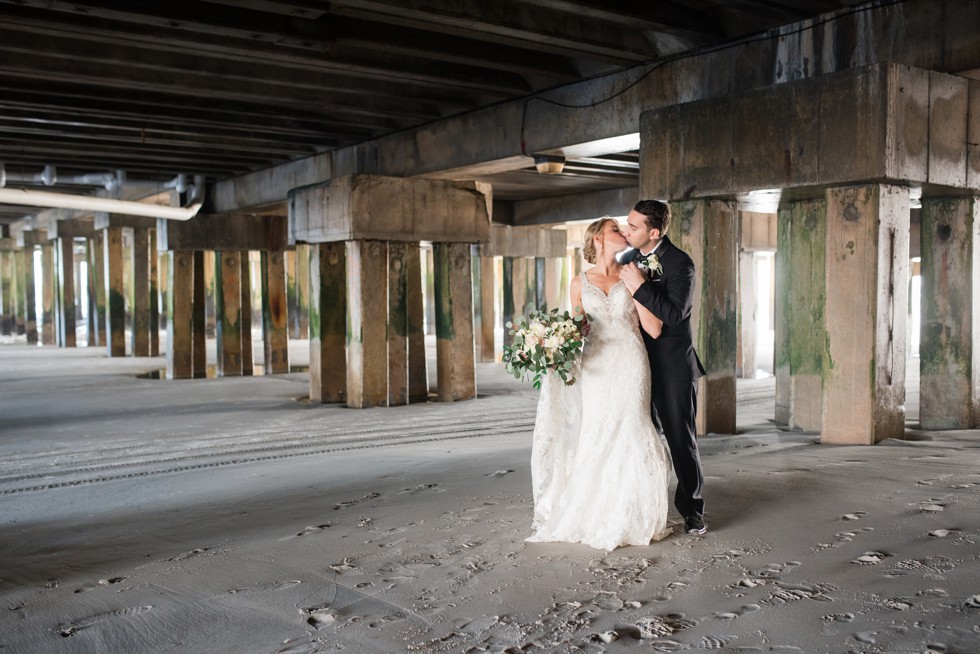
point(632, 277)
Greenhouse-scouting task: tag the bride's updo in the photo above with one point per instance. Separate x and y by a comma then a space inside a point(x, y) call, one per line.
point(588, 250)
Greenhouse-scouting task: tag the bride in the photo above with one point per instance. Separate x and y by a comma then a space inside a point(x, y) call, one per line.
point(599, 467)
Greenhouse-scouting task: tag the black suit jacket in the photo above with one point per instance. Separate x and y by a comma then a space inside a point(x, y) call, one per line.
point(669, 296)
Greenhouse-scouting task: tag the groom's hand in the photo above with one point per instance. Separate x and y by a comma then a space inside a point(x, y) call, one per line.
point(632, 277)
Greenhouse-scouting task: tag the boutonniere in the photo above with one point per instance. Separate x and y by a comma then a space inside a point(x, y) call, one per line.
point(652, 262)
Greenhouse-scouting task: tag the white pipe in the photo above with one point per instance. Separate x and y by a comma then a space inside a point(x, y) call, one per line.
point(92, 203)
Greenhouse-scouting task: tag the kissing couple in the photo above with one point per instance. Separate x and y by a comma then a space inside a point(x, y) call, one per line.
point(599, 465)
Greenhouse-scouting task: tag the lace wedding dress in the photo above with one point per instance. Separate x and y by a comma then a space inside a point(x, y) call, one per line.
point(599, 468)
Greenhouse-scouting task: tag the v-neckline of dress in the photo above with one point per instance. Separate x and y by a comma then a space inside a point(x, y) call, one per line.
point(605, 294)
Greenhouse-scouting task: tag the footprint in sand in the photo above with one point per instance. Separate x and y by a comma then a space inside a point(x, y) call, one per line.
point(660, 626)
point(344, 505)
point(870, 558)
point(838, 617)
point(347, 566)
point(785, 594)
point(420, 488)
point(857, 515)
point(897, 603)
point(716, 642)
point(313, 529)
point(932, 506)
point(272, 585)
point(498, 473)
point(71, 628)
point(973, 602)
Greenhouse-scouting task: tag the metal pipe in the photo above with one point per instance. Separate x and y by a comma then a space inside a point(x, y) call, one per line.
point(92, 203)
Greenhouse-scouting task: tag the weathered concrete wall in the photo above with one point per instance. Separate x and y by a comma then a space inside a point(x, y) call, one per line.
point(883, 122)
point(565, 208)
point(372, 207)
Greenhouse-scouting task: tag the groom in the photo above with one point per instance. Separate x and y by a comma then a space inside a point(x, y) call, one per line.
point(668, 293)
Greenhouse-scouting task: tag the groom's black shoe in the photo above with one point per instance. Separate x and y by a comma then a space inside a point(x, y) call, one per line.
point(694, 525)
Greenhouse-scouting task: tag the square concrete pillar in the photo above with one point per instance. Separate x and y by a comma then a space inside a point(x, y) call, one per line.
point(29, 288)
point(747, 320)
point(199, 333)
point(949, 357)
point(418, 371)
point(399, 327)
point(141, 292)
point(65, 251)
point(245, 313)
point(707, 231)
point(484, 314)
point(96, 289)
point(866, 281)
point(367, 320)
point(210, 294)
point(303, 289)
point(292, 308)
point(508, 305)
point(7, 319)
point(274, 319)
point(180, 314)
point(47, 295)
point(154, 295)
point(228, 309)
point(17, 288)
point(328, 322)
point(800, 335)
point(115, 293)
point(455, 356)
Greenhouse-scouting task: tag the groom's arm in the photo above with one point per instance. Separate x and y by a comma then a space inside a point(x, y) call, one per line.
point(672, 301)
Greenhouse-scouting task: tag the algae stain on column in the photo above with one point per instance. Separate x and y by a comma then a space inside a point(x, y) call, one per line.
point(444, 303)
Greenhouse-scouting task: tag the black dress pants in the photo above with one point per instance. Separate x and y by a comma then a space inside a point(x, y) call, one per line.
point(674, 408)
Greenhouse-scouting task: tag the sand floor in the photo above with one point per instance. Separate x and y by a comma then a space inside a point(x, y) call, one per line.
point(231, 515)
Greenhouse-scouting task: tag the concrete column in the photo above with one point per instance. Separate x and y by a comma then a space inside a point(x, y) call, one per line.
point(96, 286)
point(180, 314)
point(292, 304)
point(706, 229)
point(553, 282)
point(428, 266)
point(398, 326)
point(17, 287)
point(154, 313)
point(303, 289)
point(7, 319)
point(866, 273)
point(115, 293)
point(747, 321)
point(245, 313)
point(484, 310)
point(29, 288)
point(275, 334)
point(800, 334)
point(508, 304)
point(540, 280)
point(66, 290)
point(141, 292)
point(199, 334)
point(455, 358)
point(418, 372)
point(367, 317)
point(47, 295)
point(228, 312)
point(163, 278)
point(328, 322)
point(210, 294)
point(949, 357)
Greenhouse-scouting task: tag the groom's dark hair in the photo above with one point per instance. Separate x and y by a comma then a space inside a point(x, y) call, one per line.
point(657, 214)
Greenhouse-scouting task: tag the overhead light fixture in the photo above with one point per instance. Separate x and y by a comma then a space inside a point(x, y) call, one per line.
point(26, 197)
point(549, 164)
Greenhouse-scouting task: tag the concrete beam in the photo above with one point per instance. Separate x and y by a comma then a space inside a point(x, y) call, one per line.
point(525, 242)
point(882, 122)
point(222, 233)
point(372, 207)
point(566, 208)
point(935, 35)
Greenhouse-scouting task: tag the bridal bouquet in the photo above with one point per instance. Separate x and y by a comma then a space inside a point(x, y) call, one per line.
point(548, 341)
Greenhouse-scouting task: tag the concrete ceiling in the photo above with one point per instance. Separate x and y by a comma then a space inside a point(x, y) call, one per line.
point(223, 87)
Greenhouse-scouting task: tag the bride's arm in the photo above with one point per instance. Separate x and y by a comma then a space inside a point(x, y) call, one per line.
point(575, 294)
point(651, 324)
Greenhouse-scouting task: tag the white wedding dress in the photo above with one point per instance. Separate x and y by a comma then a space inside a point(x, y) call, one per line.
point(599, 467)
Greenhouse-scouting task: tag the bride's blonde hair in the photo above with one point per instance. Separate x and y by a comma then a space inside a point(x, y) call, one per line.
point(588, 250)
